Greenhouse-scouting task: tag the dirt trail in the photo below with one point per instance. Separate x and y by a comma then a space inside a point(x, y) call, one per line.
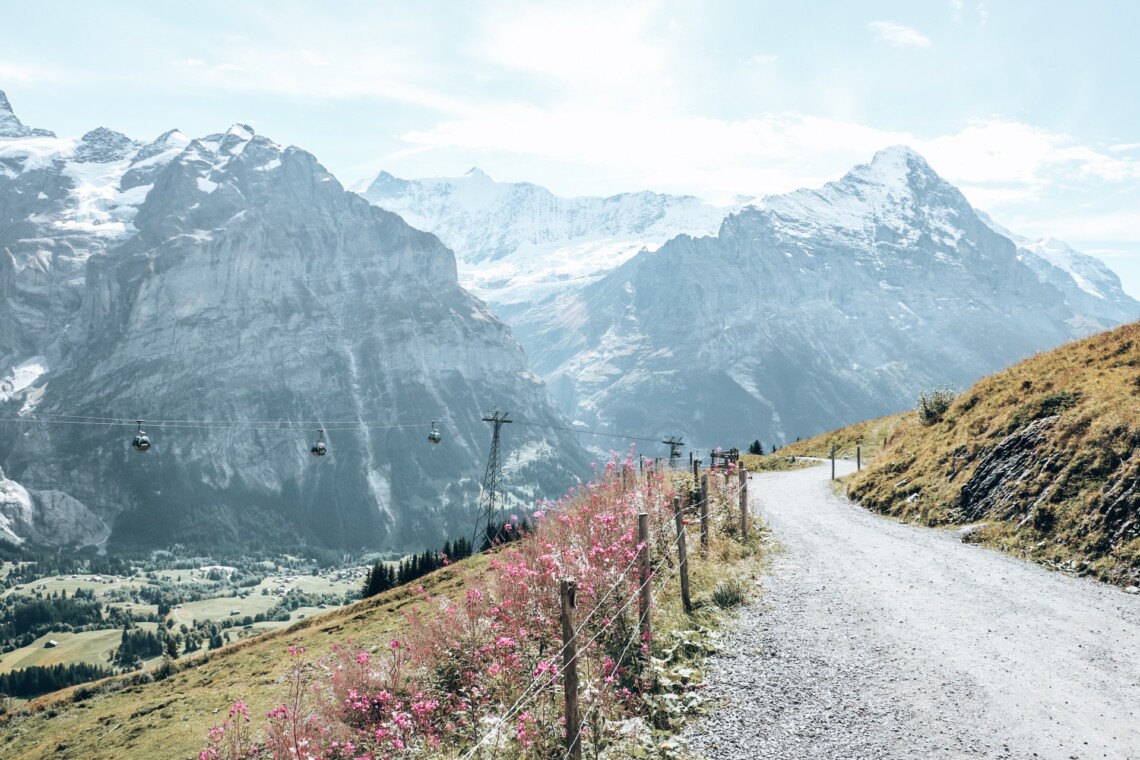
point(875, 639)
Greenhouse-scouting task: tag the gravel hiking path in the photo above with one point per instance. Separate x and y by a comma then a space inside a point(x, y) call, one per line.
point(876, 639)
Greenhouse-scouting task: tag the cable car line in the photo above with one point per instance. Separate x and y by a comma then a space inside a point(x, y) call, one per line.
point(280, 425)
point(590, 432)
point(265, 424)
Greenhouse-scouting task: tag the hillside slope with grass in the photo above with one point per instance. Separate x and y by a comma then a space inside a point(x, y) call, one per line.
point(1043, 457)
point(171, 717)
point(466, 659)
point(869, 436)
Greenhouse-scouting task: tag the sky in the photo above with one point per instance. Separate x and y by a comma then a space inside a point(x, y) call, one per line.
point(1028, 106)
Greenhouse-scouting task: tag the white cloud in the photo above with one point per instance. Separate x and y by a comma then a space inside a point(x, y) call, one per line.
point(314, 59)
point(606, 52)
point(1003, 163)
point(898, 35)
point(324, 76)
point(760, 59)
point(1109, 225)
point(770, 154)
point(28, 74)
point(997, 163)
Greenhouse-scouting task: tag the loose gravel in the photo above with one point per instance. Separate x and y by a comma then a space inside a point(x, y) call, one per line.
point(876, 639)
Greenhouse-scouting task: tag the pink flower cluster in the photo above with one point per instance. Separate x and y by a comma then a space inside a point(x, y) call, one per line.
point(460, 665)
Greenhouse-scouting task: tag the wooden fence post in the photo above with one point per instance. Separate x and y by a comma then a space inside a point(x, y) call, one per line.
point(858, 458)
point(569, 588)
point(682, 554)
point(743, 504)
point(704, 512)
point(833, 462)
point(644, 595)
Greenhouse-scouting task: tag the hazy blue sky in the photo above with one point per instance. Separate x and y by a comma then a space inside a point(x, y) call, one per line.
point(1030, 107)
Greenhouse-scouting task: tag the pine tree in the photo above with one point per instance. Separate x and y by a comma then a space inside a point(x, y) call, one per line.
point(368, 589)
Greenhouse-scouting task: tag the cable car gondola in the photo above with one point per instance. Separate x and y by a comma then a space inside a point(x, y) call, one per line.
point(319, 449)
point(140, 442)
point(434, 437)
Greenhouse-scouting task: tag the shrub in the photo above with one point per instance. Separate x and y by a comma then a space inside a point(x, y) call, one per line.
point(730, 593)
point(933, 404)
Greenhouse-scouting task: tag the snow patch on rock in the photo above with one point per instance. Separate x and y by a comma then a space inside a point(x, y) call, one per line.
point(21, 376)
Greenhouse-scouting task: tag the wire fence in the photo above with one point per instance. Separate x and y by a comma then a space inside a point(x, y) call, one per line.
point(663, 571)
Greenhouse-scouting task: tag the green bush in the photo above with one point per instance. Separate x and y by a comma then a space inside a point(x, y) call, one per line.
point(933, 404)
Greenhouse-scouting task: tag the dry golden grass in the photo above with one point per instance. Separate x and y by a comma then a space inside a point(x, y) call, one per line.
point(1073, 500)
point(869, 436)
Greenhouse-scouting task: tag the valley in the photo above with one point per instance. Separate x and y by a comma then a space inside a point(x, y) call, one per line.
point(192, 607)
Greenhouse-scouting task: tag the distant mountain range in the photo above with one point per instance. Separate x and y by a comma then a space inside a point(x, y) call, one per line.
point(518, 244)
point(772, 319)
point(233, 293)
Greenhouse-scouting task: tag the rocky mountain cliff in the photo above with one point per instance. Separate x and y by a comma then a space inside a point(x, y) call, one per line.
point(232, 292)
point(806, 312)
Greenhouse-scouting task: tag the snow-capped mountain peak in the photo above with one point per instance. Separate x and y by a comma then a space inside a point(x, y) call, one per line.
point(1089, 274)
point(517, 243)
point(102, 145)
point(897, 166)
point(897, 191)
point(235, 139)
point(12, 127)
point(1084, 280)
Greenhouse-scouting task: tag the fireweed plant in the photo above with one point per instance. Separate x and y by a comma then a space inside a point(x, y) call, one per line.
point(479, 676)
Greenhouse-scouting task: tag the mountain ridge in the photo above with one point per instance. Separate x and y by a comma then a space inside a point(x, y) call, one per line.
point(809, 310)
point(236, 280)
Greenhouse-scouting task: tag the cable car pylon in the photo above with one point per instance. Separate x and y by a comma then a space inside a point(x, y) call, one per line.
point(490, 499)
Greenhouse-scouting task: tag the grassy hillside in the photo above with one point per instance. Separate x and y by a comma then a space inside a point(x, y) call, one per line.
point(170, 718)
point(1045, 454)
point(870, 436)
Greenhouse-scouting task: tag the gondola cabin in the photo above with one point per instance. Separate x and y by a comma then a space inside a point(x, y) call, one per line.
point(319, 448)
point(141, 442)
